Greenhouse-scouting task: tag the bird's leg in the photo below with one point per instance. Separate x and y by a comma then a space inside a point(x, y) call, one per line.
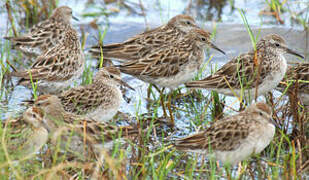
point(161, 99)
point(169, 101)
point(149, 91)
point(242, 105)
point(162, 102)
point(148, 94)
point(228, 173)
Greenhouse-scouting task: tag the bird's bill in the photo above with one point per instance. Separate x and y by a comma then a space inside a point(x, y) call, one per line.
point(75, 18)
point(126, 85)
point(46, 126)
point(27, 102)
point(216, 48)
point(195, 84)
point(293, 52)
point(272, 121)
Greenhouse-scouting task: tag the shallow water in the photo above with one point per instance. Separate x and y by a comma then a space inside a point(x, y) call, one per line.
point(231, 36)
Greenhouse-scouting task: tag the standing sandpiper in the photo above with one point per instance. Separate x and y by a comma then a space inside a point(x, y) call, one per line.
point(46, 34)
point(171, 65)
point(57, 67)
point(299, 73)
point(264, 67)
point(234, 138)
point(50, 121)
point(99, 101)
point(140, 45)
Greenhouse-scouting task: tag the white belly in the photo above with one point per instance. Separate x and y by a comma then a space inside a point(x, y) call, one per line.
point(256, 142)
point(104, 113)
point(173, 82)
point(269, 83)
point(304, 97)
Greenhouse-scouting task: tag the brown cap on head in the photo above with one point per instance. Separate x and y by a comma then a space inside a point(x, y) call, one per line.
point(105, 72)
point(46, 100)
point(33, 116)
point(202, 32)
point(263, 107)
point(112, 70)
point(275, 37)
point(180, 16)
point(42, 97)
point(62, 13)
point(183, 16)
point(38, 111)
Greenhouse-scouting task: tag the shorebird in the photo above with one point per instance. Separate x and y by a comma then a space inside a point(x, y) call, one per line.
point(260, 70)
point(297, 73)
point(74, 134)
point(56, 68)
point(46, 34)
point(171, 65)
point(49, 116)
point(99, 100)
point(234, 138)
point(140, 45)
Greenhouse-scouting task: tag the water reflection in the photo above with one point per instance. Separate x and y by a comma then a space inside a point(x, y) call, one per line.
point(207, 9)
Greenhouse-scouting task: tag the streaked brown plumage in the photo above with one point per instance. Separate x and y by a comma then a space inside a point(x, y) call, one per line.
point(140, 45)
point(46, 34)
point(99, 100)
point(300, 73)
point(242, 71)
point(233, 138)
point(171, 65)
point(55, 69)
point(48, 113)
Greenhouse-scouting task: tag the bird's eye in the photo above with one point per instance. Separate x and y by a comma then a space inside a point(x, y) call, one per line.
point(188, 23)
point(203, 39)
point(261, 114)
point(277, 44)
point(111, 76)
point(34, 115)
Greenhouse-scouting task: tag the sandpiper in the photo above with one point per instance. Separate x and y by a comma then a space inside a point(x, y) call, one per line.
point(234, 138)
point(171, 65)
point(45, 34)
point(57, 67)
point(99, 100)
point(297, 73)
point(140, 45)
point(263, 68)
point(48, 113)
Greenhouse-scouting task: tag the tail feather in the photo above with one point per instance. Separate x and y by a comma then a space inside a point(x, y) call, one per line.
point(195, 84)
point(193, 142)
point(7, 37)
point(208, 82)
point(112, 51)
point(23, 82)
point(22, 41)
point(19, 73)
